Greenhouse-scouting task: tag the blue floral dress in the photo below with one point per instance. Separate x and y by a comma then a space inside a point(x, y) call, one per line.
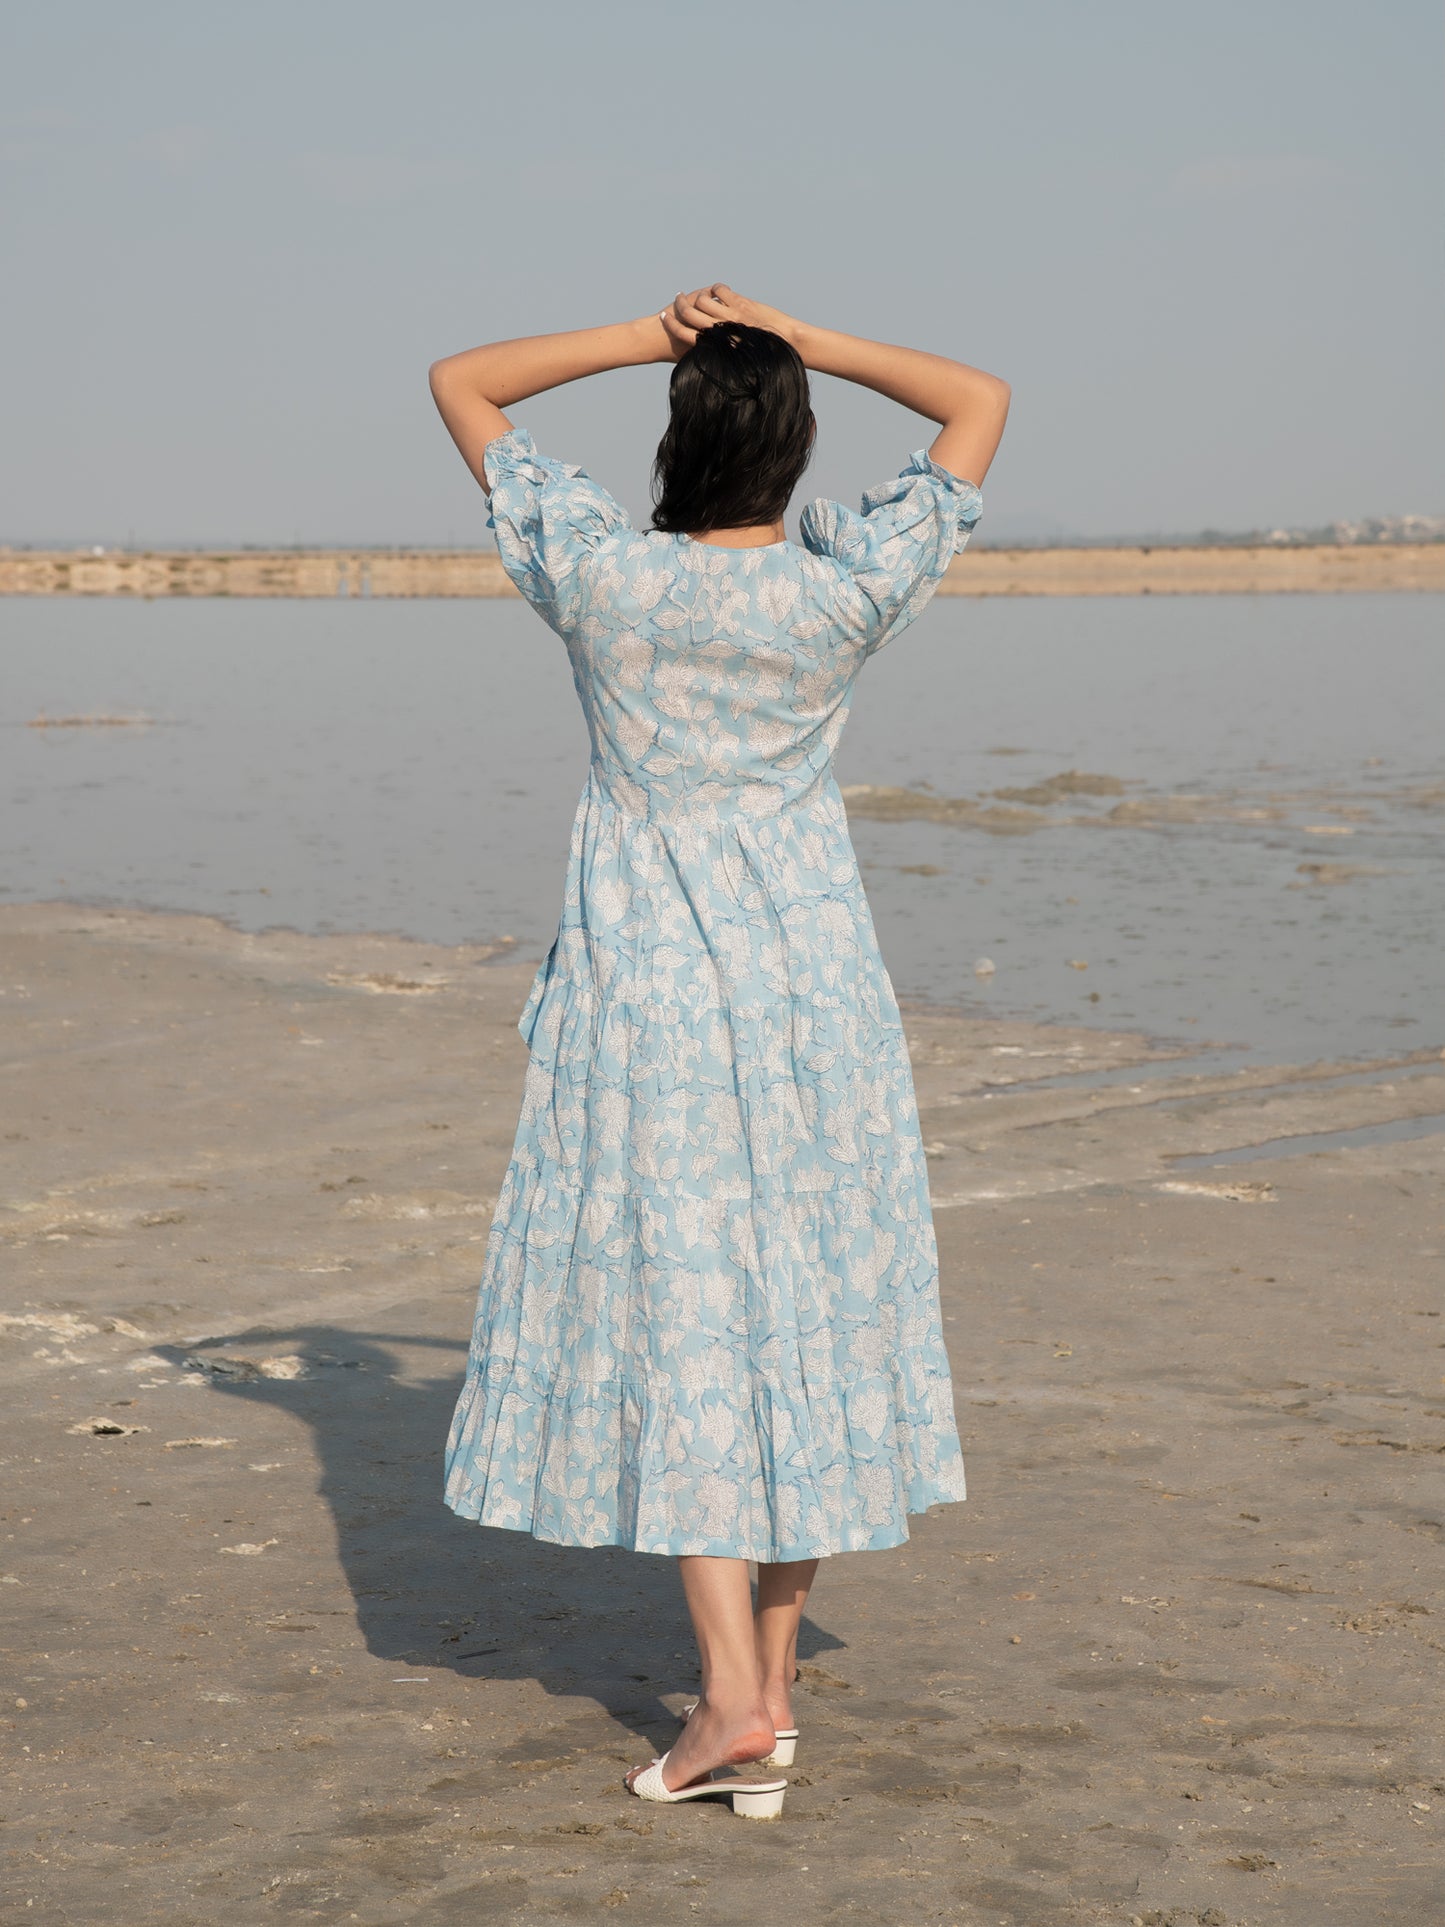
point(708, 1320)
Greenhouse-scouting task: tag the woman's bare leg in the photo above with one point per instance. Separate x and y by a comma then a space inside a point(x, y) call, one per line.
point(731, 1724)
point(782, 1594)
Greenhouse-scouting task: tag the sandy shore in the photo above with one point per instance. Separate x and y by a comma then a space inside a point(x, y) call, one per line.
point(1264, 570)
point(1176, 1661)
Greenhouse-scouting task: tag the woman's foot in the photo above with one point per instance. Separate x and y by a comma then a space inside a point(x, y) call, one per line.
point(780, 1706)
point(715, 1736)
point(777, 1695)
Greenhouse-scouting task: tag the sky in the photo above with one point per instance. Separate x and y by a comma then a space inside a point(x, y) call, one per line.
point(1202, 244)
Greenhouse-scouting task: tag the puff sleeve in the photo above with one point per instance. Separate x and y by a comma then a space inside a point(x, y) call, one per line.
point(549, 518)
point(896, 549)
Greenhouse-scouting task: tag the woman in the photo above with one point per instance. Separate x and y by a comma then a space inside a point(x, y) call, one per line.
point(708, 1324)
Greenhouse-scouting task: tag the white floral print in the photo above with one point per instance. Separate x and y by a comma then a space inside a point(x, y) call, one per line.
point(708, 1320)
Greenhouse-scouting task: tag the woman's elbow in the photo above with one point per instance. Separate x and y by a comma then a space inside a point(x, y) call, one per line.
point(978, 391)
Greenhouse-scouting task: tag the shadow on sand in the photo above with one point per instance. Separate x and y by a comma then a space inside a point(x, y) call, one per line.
point(434, 1590)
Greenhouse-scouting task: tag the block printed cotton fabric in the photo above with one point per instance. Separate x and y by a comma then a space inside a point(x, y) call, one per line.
point(708, 1320)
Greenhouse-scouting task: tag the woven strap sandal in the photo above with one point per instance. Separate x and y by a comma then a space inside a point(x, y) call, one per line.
point(786, 1740)
point(753, 1799)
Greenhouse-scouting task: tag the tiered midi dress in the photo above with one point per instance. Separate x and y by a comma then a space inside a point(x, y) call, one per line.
point(708, 1320)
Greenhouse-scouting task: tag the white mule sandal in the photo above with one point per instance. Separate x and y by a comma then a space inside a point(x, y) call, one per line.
point(786, 1738)
point(753, 1799)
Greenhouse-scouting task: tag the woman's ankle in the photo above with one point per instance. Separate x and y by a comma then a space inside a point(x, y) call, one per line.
point(778, 1693)
point(776, 1675)
point(733, 1700)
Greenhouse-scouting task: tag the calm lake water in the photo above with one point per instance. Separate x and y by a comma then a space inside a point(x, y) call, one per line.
point(413, 767)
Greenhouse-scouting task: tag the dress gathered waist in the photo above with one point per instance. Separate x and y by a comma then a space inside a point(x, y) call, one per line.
point(746, 801)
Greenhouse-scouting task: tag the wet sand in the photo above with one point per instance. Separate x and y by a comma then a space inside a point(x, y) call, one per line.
point(1021, 809)
point(1176, 1660)
point(1262, 569)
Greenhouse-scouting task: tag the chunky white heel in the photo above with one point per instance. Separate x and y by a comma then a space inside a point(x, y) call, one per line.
point(763, 1801)
point(753, 1799)
point(783, 1753)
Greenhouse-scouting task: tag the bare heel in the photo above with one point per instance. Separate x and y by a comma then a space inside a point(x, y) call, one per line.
point(785, 1740)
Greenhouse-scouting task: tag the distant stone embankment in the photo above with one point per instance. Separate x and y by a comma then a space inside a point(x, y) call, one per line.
point(1261, 570)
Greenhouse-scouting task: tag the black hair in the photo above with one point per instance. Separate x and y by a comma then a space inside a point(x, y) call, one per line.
point(740, 432)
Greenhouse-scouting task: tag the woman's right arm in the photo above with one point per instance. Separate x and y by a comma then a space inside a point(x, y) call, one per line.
point(472, 389)
point(970, 406)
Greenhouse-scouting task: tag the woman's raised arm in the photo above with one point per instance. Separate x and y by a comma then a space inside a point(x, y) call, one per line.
point(971, 406)
point(471, 389)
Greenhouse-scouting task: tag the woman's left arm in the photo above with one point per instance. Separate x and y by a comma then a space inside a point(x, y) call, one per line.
point(471, 389)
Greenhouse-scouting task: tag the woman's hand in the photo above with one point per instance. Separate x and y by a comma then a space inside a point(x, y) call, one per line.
point(970, 406)
point(690, 314)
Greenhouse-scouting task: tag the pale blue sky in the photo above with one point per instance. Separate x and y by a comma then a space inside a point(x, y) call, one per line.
point(1202, 243)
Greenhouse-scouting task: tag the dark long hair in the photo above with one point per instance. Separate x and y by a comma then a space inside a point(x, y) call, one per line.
point(739, 436)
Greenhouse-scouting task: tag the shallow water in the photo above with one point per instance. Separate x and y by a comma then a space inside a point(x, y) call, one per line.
point(1395, 1130)
point(413, 766)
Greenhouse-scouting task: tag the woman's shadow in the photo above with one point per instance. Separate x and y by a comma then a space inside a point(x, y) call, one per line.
point(433, 1590)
